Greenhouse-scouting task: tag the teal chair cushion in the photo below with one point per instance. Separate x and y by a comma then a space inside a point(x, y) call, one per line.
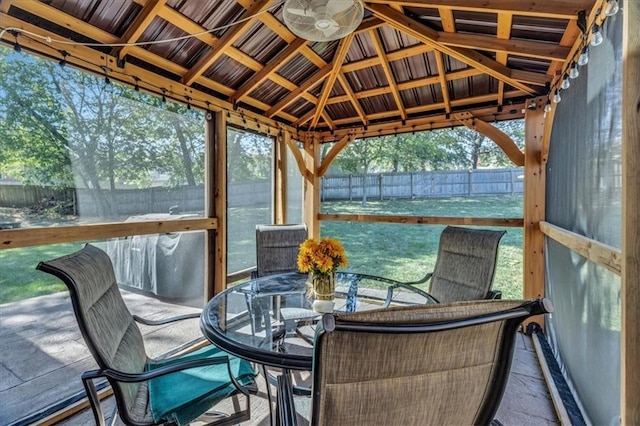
point(183, 396)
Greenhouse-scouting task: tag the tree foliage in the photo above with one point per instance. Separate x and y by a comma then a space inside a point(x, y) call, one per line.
point(59, 126)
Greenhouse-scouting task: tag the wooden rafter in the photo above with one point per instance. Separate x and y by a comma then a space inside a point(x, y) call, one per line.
point(333, 153)
point(388, 73)
point(232, 34)
point(266, 72)
point(338, 59)
point(327, 119)
point(501, 139)
point(446, 18)
point(442, 75)
point(352, 97)
point(429, 36)
point(317, 77)
point(139, 25)
point(503, 33)
point(406, 52)
point(560, 9)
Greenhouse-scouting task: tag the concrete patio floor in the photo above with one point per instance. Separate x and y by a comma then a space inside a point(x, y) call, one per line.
point(42, 356)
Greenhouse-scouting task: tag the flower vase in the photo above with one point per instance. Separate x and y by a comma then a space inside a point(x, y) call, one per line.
point(323, 287)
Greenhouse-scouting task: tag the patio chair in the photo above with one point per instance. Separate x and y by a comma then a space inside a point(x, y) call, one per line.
point(277, 248)
point(439, 364)
point(465, 266)
point(147, 391)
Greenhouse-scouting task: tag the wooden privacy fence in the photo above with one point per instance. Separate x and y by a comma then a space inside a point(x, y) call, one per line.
point(126, 202)
point(440, 184)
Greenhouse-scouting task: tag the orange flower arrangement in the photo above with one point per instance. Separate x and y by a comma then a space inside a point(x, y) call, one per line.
point(321, 257)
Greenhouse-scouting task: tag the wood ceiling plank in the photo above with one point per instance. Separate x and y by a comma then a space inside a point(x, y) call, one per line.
point(338, 59)
point(351, 97)
point(267, 71)
point(388, 72)
point(560, 9)
point(317, 77)
point(429, 36)
point(229, 37)
point(406, 52)
point(140, 24)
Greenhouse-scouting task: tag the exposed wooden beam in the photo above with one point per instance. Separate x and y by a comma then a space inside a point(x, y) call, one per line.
point(317, 77)
point(405, 52)
point(388, 72)
point(338, 59)
point(327, 119)
point(504, 32)
point(308, 116)
point(139, 25)
point(630, 297)
point(559, 9)
point(424, 220)
point(266, 72)
point(28, 237)
point(333, 153)
point(526, 48)
point(607, 256)
point(352, 98)
point(230, 36)
point(447, 20)
point(442, 76)
point(501, 139)
point(429, 36)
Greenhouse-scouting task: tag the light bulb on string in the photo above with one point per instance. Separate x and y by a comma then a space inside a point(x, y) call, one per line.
point(16, 45)
point(556, 97)
point(547, 106)
point(584, 57)
point(573, 72)
point(63, 61)
point(611, 8)
point(164, 95)
point(565, 82)
point(137, 85)
point(596, 36)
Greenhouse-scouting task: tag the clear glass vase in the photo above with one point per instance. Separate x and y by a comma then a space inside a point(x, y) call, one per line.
point(323, 287)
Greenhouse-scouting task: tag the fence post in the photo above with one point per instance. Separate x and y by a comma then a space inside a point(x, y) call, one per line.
point(350, 187)
point(411, 193)
point(513, 189)
point(380, 177)
point(469, 175)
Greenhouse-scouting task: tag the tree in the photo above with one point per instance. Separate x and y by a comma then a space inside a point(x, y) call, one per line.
point(58, 124)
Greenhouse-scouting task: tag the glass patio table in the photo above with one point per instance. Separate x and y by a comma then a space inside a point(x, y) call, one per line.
point(269, 320)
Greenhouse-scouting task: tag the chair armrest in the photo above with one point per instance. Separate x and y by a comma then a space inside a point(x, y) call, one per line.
point(410, 287)
point(165, 320)
point(421, 280)
point(121, 376)
point(494, 294)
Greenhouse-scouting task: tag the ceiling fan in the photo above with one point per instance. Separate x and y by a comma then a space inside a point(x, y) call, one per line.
point(323, 20)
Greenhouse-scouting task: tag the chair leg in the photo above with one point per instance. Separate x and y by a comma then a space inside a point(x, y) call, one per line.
point(94, 401)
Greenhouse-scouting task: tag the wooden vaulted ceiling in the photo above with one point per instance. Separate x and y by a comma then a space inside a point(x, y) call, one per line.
point(410, 65)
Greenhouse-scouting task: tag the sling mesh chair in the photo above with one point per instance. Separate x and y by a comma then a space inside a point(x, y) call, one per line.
point(175, 390)
point(465, 266)
point(438, 364)
point(277, 248)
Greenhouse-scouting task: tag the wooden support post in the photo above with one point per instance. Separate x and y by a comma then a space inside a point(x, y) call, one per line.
point(216, 167)
point(534, 198)
point(280, 204)
point(630, 300)
point(312, 186)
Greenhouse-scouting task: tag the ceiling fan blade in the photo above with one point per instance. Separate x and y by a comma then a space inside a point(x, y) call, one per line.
point(335, 7)
point(301, 12)
point(332, 29)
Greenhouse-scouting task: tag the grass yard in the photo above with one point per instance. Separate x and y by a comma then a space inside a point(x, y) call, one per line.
point(18, 276)
point(402, 252)
point(408, 252)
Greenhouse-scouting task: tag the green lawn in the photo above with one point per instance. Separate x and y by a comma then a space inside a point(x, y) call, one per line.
point(408, 252)
point(18, 276)
point(403, 252)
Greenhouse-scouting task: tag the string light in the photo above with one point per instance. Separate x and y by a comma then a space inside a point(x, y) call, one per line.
point(547, 107)
point(584, 56)
point(611, 8)
point(63, 61)
point(137, 85)
point(106, 75)
point(573, 72)
point(556, 97)
point(188, 102)
point(596, 36)
point(164, 95)
point(16, 45)
point(565, 82)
